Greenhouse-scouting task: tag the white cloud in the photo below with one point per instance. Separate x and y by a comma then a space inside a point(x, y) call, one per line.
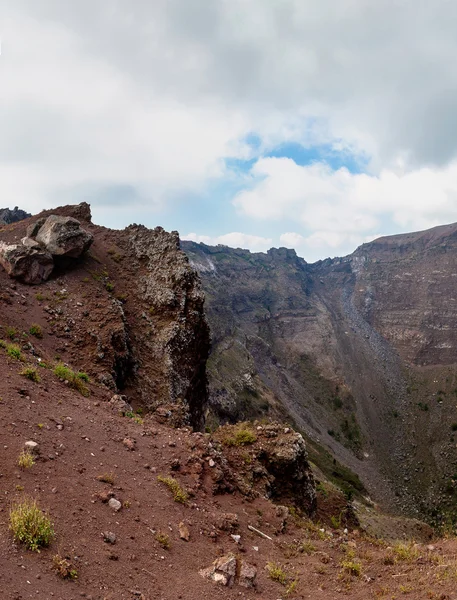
point(133, 106)
point(234, 239)
point(338, 210)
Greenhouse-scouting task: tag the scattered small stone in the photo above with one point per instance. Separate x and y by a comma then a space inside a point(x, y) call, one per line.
point(129, 443)
point(184, 532)
point(109, 537)
point(248, 574)
point(237, 538)
point(222, 571)
point(115, 504)
point(211, 463)
point(32, 447)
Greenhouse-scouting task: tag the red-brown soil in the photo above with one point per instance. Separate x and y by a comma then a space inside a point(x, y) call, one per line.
point(81, 438)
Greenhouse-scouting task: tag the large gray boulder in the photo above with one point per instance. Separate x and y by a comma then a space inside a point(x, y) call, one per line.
point(28, 261)
point(64, 237)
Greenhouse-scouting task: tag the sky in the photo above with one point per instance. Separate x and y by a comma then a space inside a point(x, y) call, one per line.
point(311, 124)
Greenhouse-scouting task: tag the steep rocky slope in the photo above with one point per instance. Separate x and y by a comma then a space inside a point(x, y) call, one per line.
point(358, 352)
point(102, 391)
point(129, 313)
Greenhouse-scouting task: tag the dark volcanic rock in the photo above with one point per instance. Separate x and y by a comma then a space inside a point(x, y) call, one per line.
point(176, 332)
point(8, 216)
point(28, 261)
point(360, 353)
point(64, 237)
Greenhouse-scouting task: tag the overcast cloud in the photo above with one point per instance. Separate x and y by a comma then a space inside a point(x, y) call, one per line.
point(140, 107)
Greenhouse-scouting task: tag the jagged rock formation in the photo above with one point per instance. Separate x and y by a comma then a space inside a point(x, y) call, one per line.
point(129, 312)
point(8, 216)
point(267, 460)
point(359, 352)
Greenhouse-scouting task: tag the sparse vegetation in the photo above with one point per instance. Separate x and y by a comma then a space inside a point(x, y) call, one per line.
point(11, 332)
point(30, 525)
point(352, 567)
point(30, 373)
point(75, 380)
point(242, 435)
point(63, 567)
point(134, 417)
point(405, 551)
point(109, 478)
point(14, 351)
point(36, 330)
point(277, 573)
point(179, 494)
point(163, 539)
point(25, 460)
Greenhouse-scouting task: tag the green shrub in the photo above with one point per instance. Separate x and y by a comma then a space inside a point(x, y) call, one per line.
point(14, 351)
point(75, 380)
point(30, 373)
point(277, 573)
point(30, 525)
point(36, 330)
point(179, 495)
point(163, 539)
point(242, 435)
point(352, 567)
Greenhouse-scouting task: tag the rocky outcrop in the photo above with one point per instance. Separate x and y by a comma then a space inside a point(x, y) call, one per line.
point(228, 570)
point(175, 334)
point(263, 460)
point(8, 216)
point(28, 261)
point(63, 237)
point(48, 239)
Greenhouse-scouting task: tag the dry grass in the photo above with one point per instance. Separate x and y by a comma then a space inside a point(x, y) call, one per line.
point(179, 494)
point(30, 525)
point(25, 460)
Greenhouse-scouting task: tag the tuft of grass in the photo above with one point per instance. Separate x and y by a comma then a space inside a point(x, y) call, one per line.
point(352, 567)
point(307, 547)
point(36, 330)
point(25, 460)
point(3, 344)
point(242, 436)
point(39, 297)
point(109, 286)
point(64, 568)
point(134, 417)
point(75, 380)
point(14, 351)
point(30, 525)
point(405, 551)
point(30, 373)
point(11, 332)
point(179, 494)
point(277, 573)
point(163, 539)
point(107, 478)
